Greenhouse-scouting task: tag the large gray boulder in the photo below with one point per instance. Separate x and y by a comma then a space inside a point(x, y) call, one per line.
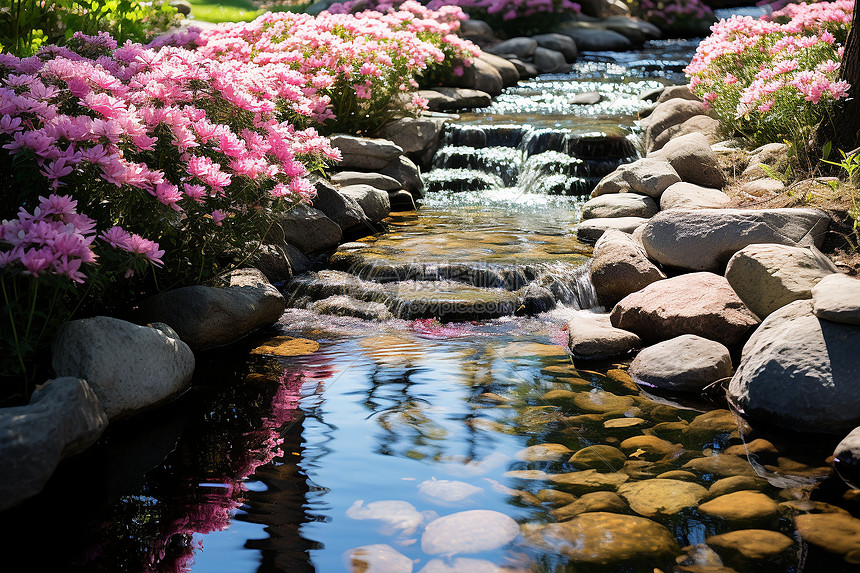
point(649, 176)
point(686, 363)
point(407, 174)
point(309, 229)
point(768, 276)
point(594, 39)
point(129, 367)
point(508, 71)
point(703, 304)
point(689, 196)
point(365, 153)
point(520, 47)
point(558, 43)
point(705, 239)
point(707, 126)
point(374, 202)
point(206, 317)
point(613, 182)
point(339, 207)
point(377, 180)
point(455, 99)
point(481, 76)
point(846, 458)
point(619, 205)
point(694, 160)
point(619, 267)
point(417, 136)
point(592, 229)
point(837, 298)
point(799, 372)
point(592, 337)
point(549, 61)
point(668, 113)
point(63, 418)
point(680, 92)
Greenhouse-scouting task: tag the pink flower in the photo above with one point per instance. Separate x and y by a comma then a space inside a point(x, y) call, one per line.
point(218, 216)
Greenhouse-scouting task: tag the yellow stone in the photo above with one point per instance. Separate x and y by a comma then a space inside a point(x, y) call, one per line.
point(741, 506)
point(287, 346)
point(752, 543)
point(833, 531)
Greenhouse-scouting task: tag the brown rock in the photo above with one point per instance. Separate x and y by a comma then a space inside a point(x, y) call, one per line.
point(607, 501)
point(741, 507)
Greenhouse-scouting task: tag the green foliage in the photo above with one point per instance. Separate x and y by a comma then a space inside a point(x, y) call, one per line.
point(225, 10)
point(850, 165)
point(26, 25)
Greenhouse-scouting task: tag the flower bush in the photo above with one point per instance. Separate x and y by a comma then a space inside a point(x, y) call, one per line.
point(676, 16)
point(516, 17)
point(774, 79)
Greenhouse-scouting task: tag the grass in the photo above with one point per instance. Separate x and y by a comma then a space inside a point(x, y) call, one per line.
point(218, 11)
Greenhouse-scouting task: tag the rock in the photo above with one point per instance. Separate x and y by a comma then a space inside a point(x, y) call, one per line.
point(587, 98)
point(602, 402)
point(799, 372)
point(703, 124)
point(273, 262)
point(832, 531)
point(374, 202)
point(299, 263)
point(549, 61)
point(465, 565)
point(769, 276)
point(698, 303)
point(660, 497)
point(668, 113)
point(129, 367)
point(751, 543)
point(600, 457)
point(689, 196)
point(597, 339)
point(687, 363)
point(309, 229)
point(544, 453)
point(584, 539)
point(679, 475)
point(536, 299)
point(605, 501)
point(648, 448)
point(63, 418)
point(339, 207)
point(378, 558)
point(558, 43)
point(417, 136)
point(205, 317)
point(587, 481)
point(525, 69)
point(754, 448)
point(407, 174)
point(764, 187)
point(477, 31)
point(182, 6)
point(592, 229)
point(398, 517)
point(741, 507)
point(482, 77)
point(523, 48)
point(507, 71)
point(612, 183)
point(343, 305)
point(705, 428)
point(677, 92)
point(736, 483)
point(649, 176)
point(401, 201)
point(705, 239)
point(619, 205)
point(722, 465)
point(286, 346)
point(554, 497)
point(436, 100)
point(365, 153)
point(345, 178)
point(846, 458)
point(837, 298)
point(619, 267)
point(595, 40)
point(635, 30)
point(694, 160)
point(446, 491)
point(468, 532)
point(461, 98)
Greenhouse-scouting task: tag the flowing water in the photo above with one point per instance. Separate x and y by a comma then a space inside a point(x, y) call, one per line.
point(398, 442)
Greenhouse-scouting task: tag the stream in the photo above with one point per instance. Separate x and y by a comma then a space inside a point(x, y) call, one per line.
point(438, 433)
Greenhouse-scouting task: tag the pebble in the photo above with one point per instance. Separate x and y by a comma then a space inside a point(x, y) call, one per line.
point(741, 507)
point(543, 453)
point(736, 483)
point(833, 531)
point(607, 501)
point(656, 497)
point(751, 543)
point(587, 481)
point(379, 558)
point(471, 531)
point(599, 457)
point(648, 447)
point(722, 465)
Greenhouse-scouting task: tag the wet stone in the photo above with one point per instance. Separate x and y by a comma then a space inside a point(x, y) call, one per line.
point(832, 531)
point(655, 497)
point(642, 470)
point(287, 346)
point(448, 491)
point(600, 457)
point(751, 543)
point(465, 565)
point(379, 558)
point(601, 402)
point(527, 474)
point(679, 475)
point(342, 305)
point(468, 532)
point(560, 397)
point(742, 507)
point(648, 447)
point(796, 506)
point(705, 428)
point(616, 423)
point(754, 447)
point(668, 430)
point(543, 453)
point(736, 483)
point(555, 498)
point(721, 465)
point(606, 501)
point(397, 516)
point(587, 481)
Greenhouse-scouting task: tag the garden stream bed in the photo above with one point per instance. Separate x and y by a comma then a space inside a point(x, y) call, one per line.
point(410, 444)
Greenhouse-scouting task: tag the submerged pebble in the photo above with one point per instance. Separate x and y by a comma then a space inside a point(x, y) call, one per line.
point(468, 532)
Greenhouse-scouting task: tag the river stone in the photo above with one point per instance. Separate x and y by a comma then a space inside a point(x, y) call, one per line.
point(741, 507)
point(619, 266)
point(508, 71)
point(606, 501)
point(755, 447)
point(704, 428)
point(436, 101)
point(550, 61)
point(527, 474)
point(481, 76)
point(765, 187)
point(846, 458)
point(599, 457)
point(465, 565)
point(337, 206)
point(619, 205)
point(587, 481)
point(751, 543)
point(732, 484)
point(670, 112)
point(345, 178)
point(309, 229)
point(397, 516)
point(412, 135)
point(590, 337)
point(689, 196)
point(468, 532)
point(591, 230)
point(768, 276)
point(464, 98)
point(520, 47)
point(559, 43)
point(286, 346)
point(477, 31)
point(697, 303)
point(837, 298)
point(407, 174)
point(703, 124)
point(401, 200)
point(681, 92)
point(129, 367)
point(555, 498)
point(373, 201)
point(659, 497)
point(63, 418)
point(686, 363)
point(834, 532)
point(648, 447)
point(587, 98)
point(667, 430)
point(799, 372)
point(544, 453)
point(205, 317)
point(343, 305)
point(378, 558)
point(614, 182)
point(584, 539)
point(682, 475)
point(447, 491)
point(722, 465)
point(595, 39)
point(694, 160)
point(365, 153)
point(650, 176)
point(602, 402)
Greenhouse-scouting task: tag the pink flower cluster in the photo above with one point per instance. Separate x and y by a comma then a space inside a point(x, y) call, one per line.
point(769, 77)
point(512, 9)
